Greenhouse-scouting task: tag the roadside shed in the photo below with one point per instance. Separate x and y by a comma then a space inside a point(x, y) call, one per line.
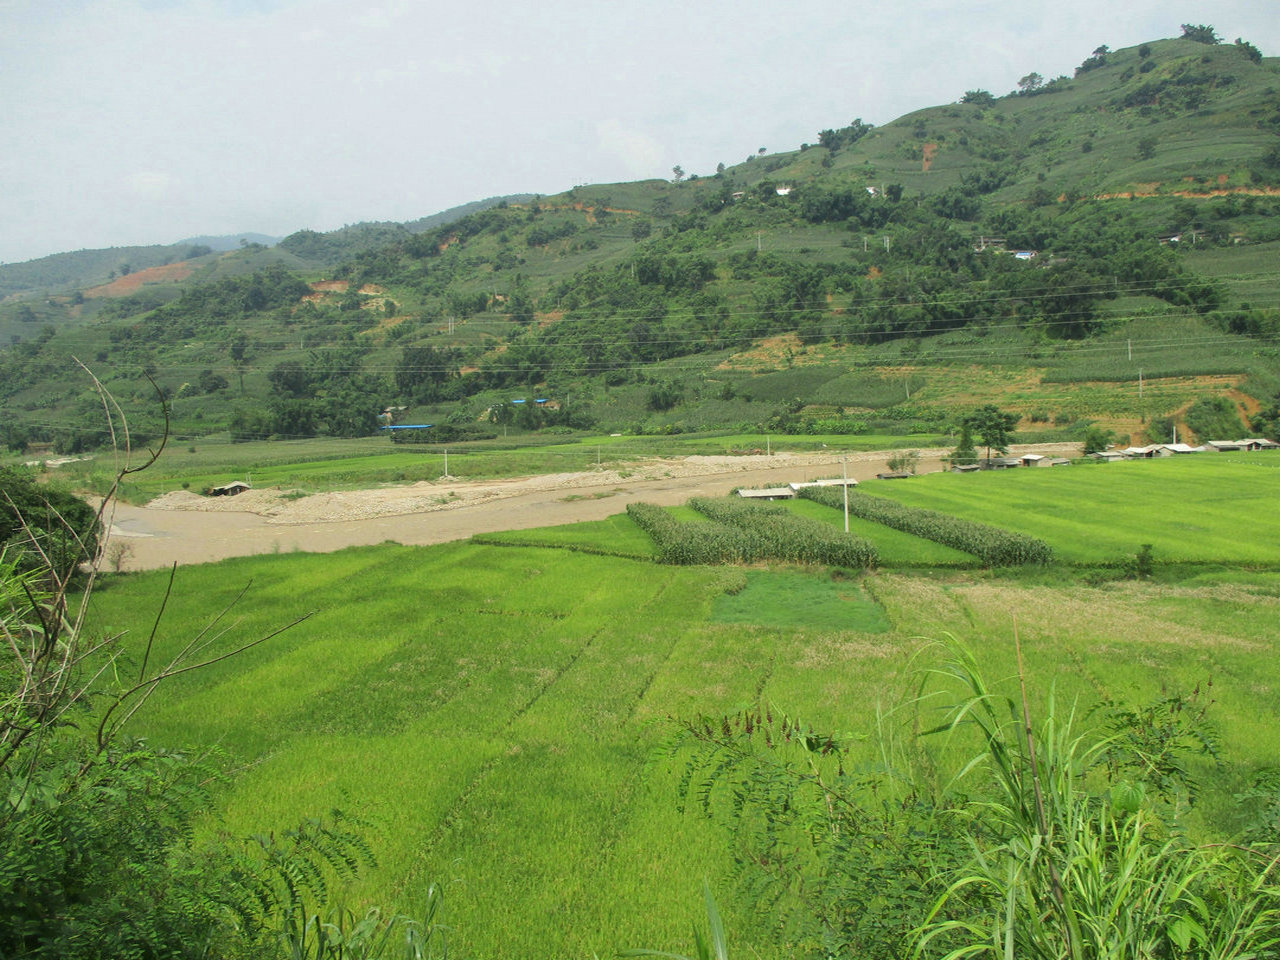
point(229, 489)
point(768, 493)
point(832, 482)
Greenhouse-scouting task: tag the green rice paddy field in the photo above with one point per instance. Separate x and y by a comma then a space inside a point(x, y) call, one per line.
point(493, 709)
point(1206, 508)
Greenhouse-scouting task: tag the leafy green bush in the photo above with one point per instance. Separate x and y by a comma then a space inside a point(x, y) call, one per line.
point(1215, 418)
point(45, 527)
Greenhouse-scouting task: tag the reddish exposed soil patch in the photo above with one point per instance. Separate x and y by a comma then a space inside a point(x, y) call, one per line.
point(578, 205)
point(769, 352)
point(1152, 190)
point(322, 288)
point(133, 282)
point(930, 151)
point(1248, 404)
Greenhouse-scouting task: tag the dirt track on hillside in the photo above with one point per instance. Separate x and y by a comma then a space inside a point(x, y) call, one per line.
point(185, 528)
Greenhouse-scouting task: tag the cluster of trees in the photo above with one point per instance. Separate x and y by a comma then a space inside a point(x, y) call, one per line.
point(836, 140)
point(44, 529)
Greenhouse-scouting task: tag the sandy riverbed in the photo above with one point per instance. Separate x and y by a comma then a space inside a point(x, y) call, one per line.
point(184, 527)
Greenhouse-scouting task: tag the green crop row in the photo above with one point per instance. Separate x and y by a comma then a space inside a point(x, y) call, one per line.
point(748, 533)
point(993, 546)
point(787, 536)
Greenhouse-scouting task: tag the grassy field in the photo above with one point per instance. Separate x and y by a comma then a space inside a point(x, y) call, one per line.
point(1208, 508)
point(897, 549)
point(493, 710)
point(613, 536)
point(490, 707)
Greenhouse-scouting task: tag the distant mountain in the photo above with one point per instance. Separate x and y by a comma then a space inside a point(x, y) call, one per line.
point(85, 268)
point(1096, 249)
point(334, 246)
point(230, 241)
point(80, 269)
point(423, 224)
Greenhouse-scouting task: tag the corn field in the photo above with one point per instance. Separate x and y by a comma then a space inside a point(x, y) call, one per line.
point(741, 532)
point(993, 546)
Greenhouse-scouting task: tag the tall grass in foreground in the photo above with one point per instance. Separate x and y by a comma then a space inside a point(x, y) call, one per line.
point(1051, 840)
point(1069, 868)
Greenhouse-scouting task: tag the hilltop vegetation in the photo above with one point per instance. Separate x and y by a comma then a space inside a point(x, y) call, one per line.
point(854, 284)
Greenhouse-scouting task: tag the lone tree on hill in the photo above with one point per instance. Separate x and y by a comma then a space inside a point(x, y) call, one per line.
point(992, 426)
point(1030, 83)
point(1200, 33)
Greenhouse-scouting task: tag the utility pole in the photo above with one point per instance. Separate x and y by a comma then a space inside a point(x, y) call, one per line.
point(844, 462)
point(1130, 350)
point(446, 461)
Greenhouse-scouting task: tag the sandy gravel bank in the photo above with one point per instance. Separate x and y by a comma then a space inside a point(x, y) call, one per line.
point(185, 527)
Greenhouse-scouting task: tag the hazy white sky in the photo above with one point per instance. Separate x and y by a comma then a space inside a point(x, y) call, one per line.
point(146, 121)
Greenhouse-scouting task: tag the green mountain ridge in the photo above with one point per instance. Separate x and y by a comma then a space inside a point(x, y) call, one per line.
point(863, 282)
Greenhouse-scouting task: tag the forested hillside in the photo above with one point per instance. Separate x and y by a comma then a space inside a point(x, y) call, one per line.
point(1096, 249)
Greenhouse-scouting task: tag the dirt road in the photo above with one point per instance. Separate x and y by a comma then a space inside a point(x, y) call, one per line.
point(186, 528)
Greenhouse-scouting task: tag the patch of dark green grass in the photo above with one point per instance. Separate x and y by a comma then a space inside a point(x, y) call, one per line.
point(788, 598)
